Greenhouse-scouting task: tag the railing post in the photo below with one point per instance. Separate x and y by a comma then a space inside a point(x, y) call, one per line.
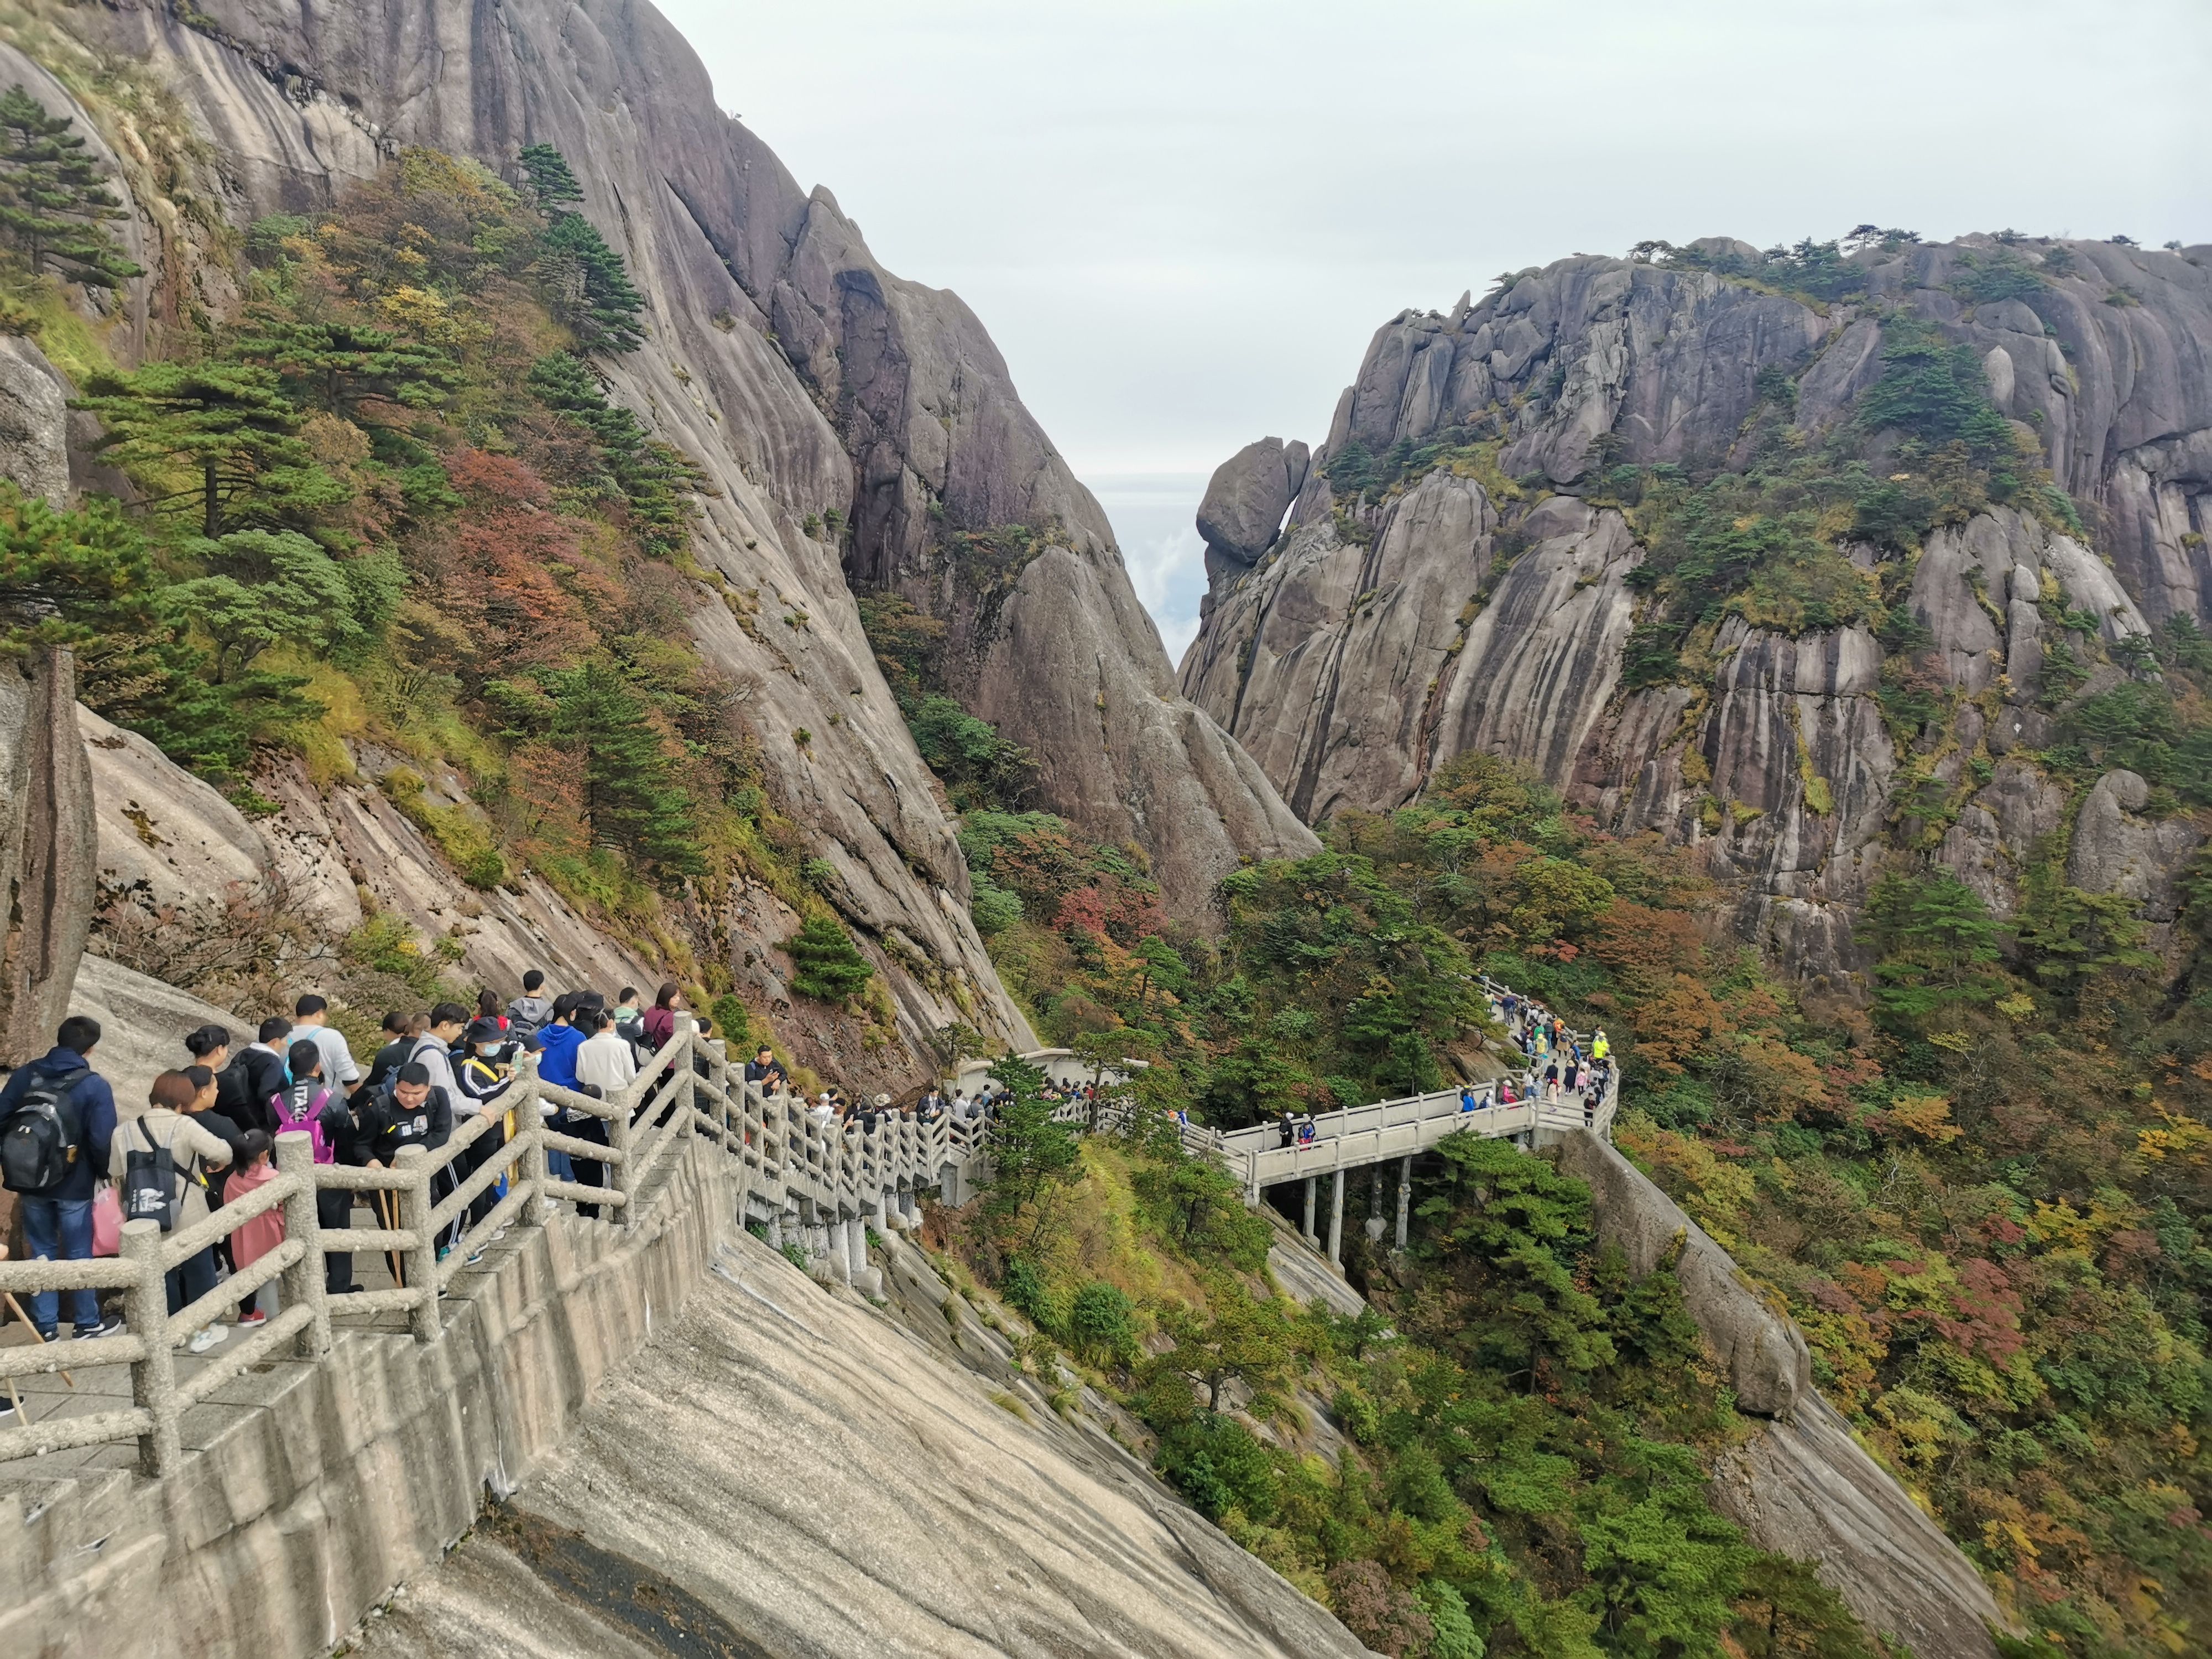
point(530, 1130)
point(153, 1378)
point(625, 1172)
point(421, 1256)
point(303, 1279)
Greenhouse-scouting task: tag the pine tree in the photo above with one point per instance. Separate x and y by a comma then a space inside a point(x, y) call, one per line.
point(825, 964)
point(230, 423)
point(55, 205)
point(550, 179)
point(601, 304)
point(633, 801)
point(345, 368)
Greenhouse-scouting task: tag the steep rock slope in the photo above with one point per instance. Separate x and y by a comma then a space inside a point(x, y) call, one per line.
point(809, 382)
point(1465, 605)
point(785, 1472)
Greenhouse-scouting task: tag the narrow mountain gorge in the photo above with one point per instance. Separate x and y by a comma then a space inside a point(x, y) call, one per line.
point(1514, 540)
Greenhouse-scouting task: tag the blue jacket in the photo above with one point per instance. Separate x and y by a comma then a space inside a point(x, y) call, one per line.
point(557, 1064)
point(95, 1113)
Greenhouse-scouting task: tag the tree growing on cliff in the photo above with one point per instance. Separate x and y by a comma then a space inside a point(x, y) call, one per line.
point(223, 435)
point(1031, 1152)
point(633, 800)
point(587, 283)
point(55, 205)
point(825, 964)
point(349, 369)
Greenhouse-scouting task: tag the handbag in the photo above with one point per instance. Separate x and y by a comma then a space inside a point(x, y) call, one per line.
point(106, 1221)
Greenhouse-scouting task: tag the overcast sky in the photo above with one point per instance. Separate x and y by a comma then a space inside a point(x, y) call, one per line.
point(1180, 220)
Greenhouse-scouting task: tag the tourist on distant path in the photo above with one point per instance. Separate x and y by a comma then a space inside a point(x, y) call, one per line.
point(630, 1018)
point(1507, 1096)
point(604, 1061)
point(1287, 1129)
point(402, 1029)
point(310, 1023)
point(433, 1049)
point(532, 1009)
point(766, 1070)
point(58, 1219)
point(252, 1240)
point(254, 1074)
point(660, 1018)
point(309, 1105)
point(421, 1115)
point(1601, 1045)
point(167, 1127)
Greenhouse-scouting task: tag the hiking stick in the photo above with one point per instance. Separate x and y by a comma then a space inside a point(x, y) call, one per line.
point(385, 1203)
point(16, 1308)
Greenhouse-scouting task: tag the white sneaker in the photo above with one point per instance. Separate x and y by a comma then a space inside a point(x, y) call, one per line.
point(209, 1336)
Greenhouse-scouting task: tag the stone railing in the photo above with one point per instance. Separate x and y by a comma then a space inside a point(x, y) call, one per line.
point(804, 1180)
point(816, 1184)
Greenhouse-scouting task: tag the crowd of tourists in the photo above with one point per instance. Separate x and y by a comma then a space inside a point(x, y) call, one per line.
point(78, 1169)
point(1557, 1068)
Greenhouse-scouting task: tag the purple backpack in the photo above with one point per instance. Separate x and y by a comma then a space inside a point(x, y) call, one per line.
point(308, 1117)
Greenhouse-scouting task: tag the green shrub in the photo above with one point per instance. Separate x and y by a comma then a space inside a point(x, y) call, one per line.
point(733, 1022)
point(1099, 1321)
point(1025, 1290)
point(1215, 1461)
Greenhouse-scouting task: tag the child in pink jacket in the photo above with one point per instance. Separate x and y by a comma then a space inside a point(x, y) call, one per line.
point(256, 1238)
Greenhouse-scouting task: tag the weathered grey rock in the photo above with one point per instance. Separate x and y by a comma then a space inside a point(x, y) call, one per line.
point(1248, 496)
point(48, 843)
point(1804, 1487)
point(142, 1023)
point(803, 377)
point(2115, 851)
point(1765, 1358)
point(168, 840)
point(1333, 663)
point(889, 1504)
point(33, 422)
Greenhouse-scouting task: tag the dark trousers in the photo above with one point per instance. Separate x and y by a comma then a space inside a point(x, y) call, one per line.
point(486, 1149)
point(589, 1171)
point(191, 1280)
point(334, 1213)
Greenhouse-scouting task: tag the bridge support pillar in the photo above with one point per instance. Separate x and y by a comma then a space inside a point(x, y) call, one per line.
point(1374, 1227)
point(1405, 1196)
point(856, 1238)
point(1336, 1221)
point(1311, 1237)
point(840, 1256)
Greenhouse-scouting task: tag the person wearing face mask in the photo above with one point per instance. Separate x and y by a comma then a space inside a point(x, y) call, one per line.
point(482, 1077)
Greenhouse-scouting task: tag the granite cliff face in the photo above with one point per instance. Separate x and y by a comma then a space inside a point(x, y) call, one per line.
point(1484, 599)
point(811, 386)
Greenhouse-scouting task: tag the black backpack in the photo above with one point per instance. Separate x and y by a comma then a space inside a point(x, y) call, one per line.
point(39, 1141)
point(150, 1181)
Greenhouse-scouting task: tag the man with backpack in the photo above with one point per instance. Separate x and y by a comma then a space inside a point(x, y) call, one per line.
point(56, 1119)
point(433, 1049)
point(310, 1103)
point(256, 1071)
point(532, 1008)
